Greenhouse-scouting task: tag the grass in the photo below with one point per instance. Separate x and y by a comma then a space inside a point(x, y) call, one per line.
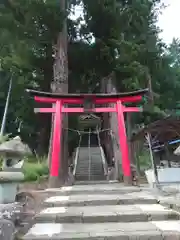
point(35, 170)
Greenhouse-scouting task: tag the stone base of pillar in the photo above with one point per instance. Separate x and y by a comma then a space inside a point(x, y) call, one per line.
point(128, 180)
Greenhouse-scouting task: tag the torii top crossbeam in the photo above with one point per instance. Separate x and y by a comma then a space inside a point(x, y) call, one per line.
point(58, 101)
point(134, 96)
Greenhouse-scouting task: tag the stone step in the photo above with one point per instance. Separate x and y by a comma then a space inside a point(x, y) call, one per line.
point(93, 159)
point(155, 230)
point(86, 178)
point(86, 155)
point(86, 162)
point(101, 214)
point(92, 176)
point(93, 162)
point(102, 188)
point(86, 166)
point(86, 173)
point(101, 199)
point(92, 168)
point(93, 150)
point(103, 182)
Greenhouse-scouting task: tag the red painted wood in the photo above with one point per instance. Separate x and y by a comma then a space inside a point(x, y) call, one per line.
point(45, 110)
point(59, 109)
point(80, 101)
point(132, 109)
point(81, 110)
point(123, 100)
point(123, 140)
point(56, 141)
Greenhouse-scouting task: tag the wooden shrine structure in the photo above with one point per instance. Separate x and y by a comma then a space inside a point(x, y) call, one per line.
point(88, 101)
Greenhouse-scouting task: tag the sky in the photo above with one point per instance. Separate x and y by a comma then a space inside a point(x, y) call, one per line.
point(169, 19)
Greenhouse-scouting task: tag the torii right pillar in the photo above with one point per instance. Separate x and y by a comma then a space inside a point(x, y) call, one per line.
point(123, 142)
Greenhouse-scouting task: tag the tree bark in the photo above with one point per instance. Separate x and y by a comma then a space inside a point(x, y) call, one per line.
point(60, 85)
point(110, 88)
point(45, 119)
point(106, 136)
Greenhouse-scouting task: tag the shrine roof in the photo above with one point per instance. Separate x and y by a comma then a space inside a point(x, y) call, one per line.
point(140, 92)
point(164, 130)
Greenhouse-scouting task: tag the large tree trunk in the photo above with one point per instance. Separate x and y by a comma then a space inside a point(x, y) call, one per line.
point(60, 85)
point(110, 88)
point(106, 135)
point(45, 119)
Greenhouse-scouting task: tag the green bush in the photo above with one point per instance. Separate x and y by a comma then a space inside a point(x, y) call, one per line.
point(35, 171)
point(5, 138)
point(33, 159)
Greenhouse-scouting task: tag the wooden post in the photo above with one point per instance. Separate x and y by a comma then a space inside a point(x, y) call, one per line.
point(168, 154)
point(60, 85)
point(123, 144)
point(153, 162)
point(56, 146)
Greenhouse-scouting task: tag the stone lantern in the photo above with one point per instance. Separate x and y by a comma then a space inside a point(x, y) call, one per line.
point(12, 152)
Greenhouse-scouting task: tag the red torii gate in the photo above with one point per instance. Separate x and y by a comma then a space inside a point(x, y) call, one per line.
point(58, 101)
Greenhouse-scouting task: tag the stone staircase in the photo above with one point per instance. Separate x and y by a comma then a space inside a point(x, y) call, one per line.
point(89, 169)
point(105, 211)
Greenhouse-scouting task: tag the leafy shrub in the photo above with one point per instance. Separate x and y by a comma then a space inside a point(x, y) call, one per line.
point(33, 171)
point(33, 159)
point(5, 138)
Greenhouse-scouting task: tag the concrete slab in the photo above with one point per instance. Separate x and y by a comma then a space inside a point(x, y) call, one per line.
point(168, 225)
point(101, 199)
point(95, 182)
point(94, 189)
point(142, 230)
point(101, 214)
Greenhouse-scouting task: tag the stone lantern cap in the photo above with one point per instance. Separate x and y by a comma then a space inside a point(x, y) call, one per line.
point(14, 147)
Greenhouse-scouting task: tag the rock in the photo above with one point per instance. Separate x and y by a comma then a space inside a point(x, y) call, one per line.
point(7, 230)
point(12, 212)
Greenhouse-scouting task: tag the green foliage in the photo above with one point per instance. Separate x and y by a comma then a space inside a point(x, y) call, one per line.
point(144, 160)
point(111, 36)
point(4, 138)
point(28, 33)
point(34, 171)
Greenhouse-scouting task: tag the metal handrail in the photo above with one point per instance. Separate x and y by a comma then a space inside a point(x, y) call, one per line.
point(105, 166)
point(77, 155)
point(89, 152)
